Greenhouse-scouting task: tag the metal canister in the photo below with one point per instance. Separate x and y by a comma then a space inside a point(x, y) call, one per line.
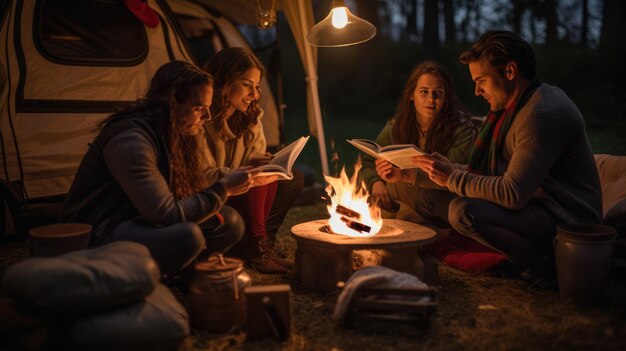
point(216, 299)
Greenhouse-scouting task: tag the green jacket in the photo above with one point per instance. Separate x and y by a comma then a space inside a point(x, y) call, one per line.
point(458, 153)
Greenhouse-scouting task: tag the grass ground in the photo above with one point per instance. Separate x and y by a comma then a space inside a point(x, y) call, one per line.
point(475, 312)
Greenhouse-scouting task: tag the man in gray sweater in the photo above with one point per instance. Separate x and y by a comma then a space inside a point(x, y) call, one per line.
point(531, 167)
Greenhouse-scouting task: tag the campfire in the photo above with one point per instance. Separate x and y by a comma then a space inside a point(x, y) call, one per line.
point(350, 211)
point(322, 260)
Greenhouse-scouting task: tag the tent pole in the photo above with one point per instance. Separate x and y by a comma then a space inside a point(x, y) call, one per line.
point(312, 83)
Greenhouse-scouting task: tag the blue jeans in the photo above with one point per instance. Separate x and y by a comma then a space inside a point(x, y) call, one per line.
point(525, 236)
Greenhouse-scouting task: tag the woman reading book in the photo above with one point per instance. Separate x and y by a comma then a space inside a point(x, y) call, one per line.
point(143, 177)
point(430, 116)
point(235, 138)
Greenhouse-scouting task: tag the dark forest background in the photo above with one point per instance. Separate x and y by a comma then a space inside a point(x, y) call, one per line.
point(579, 44)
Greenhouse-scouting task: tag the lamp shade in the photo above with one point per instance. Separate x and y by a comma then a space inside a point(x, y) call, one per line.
point(340, 28)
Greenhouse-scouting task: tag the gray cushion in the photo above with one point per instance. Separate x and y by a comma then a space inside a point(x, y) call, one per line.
point(157, 323)
point(83, 281)
point(612, 172)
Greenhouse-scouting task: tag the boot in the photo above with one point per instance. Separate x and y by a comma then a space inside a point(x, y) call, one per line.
point(278, 257)
point(272, 239)
point(282, 261)
point(261, 257)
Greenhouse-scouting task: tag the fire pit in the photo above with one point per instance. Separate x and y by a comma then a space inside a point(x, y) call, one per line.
point(324, 258)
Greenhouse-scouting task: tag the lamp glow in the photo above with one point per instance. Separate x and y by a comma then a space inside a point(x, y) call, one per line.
point(340, 17)
point(340, 28)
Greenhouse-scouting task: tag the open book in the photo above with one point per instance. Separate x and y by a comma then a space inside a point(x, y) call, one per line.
point(399, 155)
point(283, 160)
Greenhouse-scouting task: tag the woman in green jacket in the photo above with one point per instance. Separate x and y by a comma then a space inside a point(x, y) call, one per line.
point(430, 116)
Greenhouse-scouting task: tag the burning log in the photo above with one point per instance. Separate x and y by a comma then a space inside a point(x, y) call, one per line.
point(347, 212)
point(359, 227)
point(351, 217)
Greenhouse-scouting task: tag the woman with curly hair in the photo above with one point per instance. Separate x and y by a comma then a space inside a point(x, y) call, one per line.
point(430, 116)
point(144, 179)
point(235, 138)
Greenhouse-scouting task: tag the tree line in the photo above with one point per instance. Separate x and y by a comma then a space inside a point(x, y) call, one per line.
point(436, 23)
point(579, 46)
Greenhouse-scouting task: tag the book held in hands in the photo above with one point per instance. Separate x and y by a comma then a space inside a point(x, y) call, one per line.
point(283, 160)
point(400, 155)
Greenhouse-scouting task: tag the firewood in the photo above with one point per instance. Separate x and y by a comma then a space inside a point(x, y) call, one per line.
point(359, 227)
point(347, 212)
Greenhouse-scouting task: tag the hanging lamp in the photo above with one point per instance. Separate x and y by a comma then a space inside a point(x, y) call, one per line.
point(340, 28)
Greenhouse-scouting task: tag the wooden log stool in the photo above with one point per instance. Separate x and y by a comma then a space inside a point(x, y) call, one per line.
point(59, 238)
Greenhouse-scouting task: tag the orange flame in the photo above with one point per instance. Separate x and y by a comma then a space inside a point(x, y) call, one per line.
point(344, 191)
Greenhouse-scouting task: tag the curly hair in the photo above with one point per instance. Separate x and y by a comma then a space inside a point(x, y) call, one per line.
point(227, 66)
point(439, 137)
point(501, 47)
point(173, 82)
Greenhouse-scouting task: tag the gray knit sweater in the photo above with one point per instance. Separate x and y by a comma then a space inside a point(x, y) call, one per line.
point(546, 158)
point(126, 174)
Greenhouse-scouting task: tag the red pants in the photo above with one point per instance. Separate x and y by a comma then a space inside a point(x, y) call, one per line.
point(254, 206)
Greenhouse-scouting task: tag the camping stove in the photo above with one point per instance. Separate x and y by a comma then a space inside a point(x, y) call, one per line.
point(324, 258)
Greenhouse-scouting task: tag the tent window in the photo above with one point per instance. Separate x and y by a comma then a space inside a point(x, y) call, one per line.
point(202, 37)
point(89, 32)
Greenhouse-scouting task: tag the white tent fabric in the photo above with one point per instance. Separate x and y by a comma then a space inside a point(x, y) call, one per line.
point(41, 148)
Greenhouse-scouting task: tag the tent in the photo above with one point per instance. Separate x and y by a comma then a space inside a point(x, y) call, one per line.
point(67, 64)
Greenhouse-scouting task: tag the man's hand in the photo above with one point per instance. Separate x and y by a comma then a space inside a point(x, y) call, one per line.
point(437, 166)
point(380, 193)
point(238, 181)
point(260, 160)
point(388, 172)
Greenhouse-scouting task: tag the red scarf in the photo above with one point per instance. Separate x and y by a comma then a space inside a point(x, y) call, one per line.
point(488, 145)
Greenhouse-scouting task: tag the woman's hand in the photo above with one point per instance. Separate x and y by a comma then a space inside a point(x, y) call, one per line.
point(388, 172)
point(238, 181)
point(261, 179)
point(437, 166)
point(260, 160)
point(380, 193)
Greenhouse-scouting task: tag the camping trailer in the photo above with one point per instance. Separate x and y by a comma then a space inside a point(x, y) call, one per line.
point(67, 64)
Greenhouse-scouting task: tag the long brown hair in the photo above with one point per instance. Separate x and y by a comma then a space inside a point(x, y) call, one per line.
point(173, 82)
point(439, 137)
point(226, 67)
